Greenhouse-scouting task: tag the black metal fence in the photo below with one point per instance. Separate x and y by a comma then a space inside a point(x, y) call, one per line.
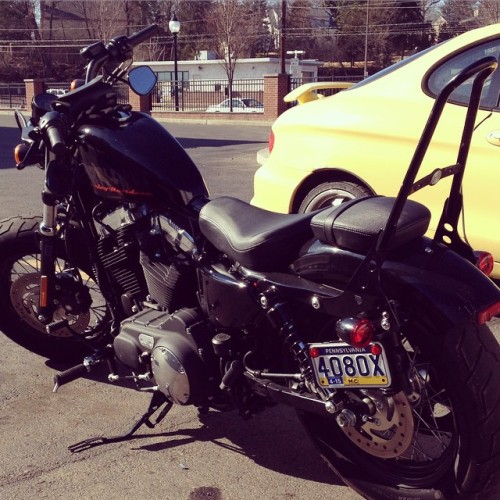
point(12, 95)
point(192, 95)
point(199, 95)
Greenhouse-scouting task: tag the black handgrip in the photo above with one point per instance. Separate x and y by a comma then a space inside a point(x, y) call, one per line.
point(56, 140)
point(143, 35)
point(53, 127)
point(69, 375)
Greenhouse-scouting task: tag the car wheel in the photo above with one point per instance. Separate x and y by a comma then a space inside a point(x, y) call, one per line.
point(330, 194)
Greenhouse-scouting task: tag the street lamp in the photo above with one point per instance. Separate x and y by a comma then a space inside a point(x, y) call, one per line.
point(174, 26)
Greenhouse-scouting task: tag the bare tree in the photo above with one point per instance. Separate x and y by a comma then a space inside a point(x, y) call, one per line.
point(489, 12)
point(235, 28)
point(103, 19)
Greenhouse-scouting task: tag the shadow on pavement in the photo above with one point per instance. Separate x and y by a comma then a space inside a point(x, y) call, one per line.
point(9, 137)
point(191, 143)
point(273, 438)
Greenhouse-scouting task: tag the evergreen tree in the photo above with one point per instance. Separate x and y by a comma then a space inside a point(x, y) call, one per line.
point(194, 17)
point(459, 15)
point(411, 31)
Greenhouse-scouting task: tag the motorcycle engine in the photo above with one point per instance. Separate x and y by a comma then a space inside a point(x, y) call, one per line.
point(144, 257)
point(173, 347)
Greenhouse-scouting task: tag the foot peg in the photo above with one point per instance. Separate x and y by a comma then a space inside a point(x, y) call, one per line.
point(56, 325)
point(69, 375)
point(80, 370)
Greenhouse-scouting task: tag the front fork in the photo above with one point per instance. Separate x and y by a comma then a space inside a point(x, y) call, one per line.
point(47, 232)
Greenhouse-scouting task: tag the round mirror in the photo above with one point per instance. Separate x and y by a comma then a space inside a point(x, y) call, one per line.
point(142, 79)
point(43, 101)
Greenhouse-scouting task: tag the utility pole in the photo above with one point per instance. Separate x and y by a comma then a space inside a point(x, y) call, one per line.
point(365, 70)
point(282, 37)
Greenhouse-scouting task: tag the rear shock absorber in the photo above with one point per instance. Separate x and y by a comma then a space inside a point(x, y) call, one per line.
point(281, 319)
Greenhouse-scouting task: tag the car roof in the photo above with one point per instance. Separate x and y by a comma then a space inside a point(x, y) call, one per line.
point(425, 61)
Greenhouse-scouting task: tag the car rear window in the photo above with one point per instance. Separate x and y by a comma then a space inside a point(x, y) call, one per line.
point(441, 75)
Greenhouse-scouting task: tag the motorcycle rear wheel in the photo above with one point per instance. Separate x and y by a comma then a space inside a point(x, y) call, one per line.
point(19, 292)
point(456, 415)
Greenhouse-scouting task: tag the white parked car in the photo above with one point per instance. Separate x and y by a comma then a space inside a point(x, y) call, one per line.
point(240, 105)
point(56, 92)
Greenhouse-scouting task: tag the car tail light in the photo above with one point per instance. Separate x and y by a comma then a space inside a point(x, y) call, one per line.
point(484, 262)
point(490, 312)
point(271, 141)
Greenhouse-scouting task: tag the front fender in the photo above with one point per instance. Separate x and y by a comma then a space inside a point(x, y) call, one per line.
point(433, 278)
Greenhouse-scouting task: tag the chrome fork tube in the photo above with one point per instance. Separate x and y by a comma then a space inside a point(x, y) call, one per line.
point(47, 231)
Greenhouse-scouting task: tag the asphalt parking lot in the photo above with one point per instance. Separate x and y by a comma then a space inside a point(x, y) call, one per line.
point(218, 456)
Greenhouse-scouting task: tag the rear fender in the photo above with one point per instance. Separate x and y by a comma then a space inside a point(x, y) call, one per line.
point(433, 278)
point(421, 276)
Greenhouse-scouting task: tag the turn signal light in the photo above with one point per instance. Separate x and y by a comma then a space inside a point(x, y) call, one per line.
point(356, 332)
point(20, 152)
point(76, 83)
point(484, 262)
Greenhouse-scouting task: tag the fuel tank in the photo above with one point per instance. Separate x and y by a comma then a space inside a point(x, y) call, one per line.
point(135, 159)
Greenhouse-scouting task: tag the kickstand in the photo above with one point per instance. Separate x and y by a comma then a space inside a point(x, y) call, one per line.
point(157, 401)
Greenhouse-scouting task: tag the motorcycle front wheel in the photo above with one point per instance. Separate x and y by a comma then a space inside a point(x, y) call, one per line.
point(19, 296)
point(439, 440)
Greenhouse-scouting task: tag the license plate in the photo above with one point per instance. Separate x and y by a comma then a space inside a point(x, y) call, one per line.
point(340, 365)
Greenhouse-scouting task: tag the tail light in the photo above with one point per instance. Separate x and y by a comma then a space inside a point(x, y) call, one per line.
point(356, 332)
point(271, 141)
point(484, 262)
point(489, 313)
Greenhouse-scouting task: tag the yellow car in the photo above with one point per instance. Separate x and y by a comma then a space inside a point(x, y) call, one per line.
point(360, 141)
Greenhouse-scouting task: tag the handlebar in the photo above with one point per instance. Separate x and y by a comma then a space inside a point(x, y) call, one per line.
point(141, 36)
point(118, 49)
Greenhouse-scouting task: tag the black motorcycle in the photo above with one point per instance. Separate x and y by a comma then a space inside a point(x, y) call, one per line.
point(373, 332)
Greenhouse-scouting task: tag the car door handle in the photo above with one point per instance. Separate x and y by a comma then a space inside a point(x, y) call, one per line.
point(494, 137)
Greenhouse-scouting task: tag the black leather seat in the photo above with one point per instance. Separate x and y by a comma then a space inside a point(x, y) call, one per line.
point(256, 238)
point(355, 225)
point(269, 241)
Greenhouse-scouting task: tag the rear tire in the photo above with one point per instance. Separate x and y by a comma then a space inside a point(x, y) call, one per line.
point(19, 290)
point(456, 414)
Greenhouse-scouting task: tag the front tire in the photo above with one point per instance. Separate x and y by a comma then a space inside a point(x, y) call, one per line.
point(19, 292)
point(455, 436)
